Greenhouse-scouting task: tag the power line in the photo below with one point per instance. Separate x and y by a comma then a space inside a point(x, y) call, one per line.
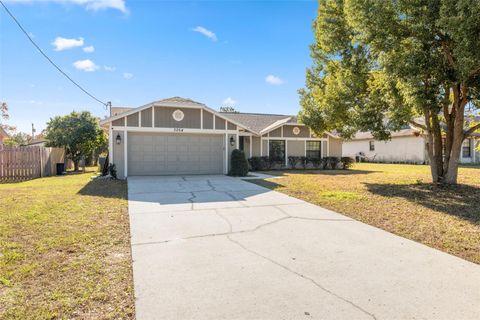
point(50, 60)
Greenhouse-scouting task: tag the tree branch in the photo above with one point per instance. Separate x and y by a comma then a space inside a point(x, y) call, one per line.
point(472, 130)
point(418, 125)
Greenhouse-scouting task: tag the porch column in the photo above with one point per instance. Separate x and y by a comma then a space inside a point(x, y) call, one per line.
point(125, 155)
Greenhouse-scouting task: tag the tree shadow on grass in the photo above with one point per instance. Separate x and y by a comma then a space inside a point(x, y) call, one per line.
point(461, 200)
point(105, 188)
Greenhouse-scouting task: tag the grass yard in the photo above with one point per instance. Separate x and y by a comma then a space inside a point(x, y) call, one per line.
point(399, 199)
point(65, 250)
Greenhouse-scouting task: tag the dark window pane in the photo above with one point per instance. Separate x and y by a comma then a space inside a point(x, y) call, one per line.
point(466, 149)
point(313, 149)
point(372, 145)
point(277, 150)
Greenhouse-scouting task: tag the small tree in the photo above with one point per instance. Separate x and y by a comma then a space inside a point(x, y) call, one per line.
point(239, 164)
point(77, 132)
point(17, 139)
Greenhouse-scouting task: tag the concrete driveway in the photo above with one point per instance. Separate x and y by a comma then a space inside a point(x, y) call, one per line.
point(215, 247)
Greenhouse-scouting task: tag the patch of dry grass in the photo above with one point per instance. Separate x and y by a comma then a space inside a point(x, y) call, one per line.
point(399, 199)
point(65, 250)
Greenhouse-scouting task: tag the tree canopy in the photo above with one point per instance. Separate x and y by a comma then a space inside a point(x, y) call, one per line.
point(381, 65)
point(78, 132)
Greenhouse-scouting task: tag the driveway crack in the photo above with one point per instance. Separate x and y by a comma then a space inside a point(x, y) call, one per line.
point(313, 281)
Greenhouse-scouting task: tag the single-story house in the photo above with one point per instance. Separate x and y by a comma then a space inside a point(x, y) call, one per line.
point(182, 136)
point(408, 145)
point(3, 135)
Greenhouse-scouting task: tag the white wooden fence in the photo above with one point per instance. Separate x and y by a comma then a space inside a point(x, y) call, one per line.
point(23, 163)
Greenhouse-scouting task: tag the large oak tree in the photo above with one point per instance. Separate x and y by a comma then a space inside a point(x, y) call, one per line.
point(379, 65)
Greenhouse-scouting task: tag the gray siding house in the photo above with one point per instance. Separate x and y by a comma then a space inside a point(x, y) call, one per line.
point(178, 136)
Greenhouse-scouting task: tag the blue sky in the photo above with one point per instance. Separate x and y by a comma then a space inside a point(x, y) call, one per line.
point(248, 53)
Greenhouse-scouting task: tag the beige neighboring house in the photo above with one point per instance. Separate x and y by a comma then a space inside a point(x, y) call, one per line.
point(181, 136)
point(3, 135)
point(406, 146)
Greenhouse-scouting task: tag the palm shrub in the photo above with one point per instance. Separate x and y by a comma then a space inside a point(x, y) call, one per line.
point(324, 163)
point(332, 162)
point(238, 164)
point(316, 162)
point(303, 162)
point(293, 161)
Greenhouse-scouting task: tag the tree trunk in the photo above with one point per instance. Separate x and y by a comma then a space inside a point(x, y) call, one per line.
point(75, 165)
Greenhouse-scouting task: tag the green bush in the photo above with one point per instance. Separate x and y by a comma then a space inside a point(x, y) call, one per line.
point(255, 163)
point(112, 170)
point(238, 164)
point(332, 162)
point(347, 162)
point(293, 161)
point(316, 162)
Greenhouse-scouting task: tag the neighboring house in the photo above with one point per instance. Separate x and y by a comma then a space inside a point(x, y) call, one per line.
point(38, 142)
point(406, 146)
point(181, 136)
point(3, 135)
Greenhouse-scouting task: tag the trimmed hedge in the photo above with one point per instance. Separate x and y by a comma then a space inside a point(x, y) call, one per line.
point(238, 164)
point(294, 162)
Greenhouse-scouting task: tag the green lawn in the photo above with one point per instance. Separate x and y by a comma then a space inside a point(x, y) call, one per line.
point(64, 249)
point(399, 199)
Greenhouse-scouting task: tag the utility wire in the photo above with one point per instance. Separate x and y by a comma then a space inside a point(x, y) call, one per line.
point(106, 105)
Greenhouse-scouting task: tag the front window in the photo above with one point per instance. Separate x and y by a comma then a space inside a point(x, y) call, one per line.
point(372, 145)
point(277, 150)
point(313, 149)
point(466, 148)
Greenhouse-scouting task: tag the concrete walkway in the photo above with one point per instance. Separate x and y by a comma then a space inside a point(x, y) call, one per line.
point(215, 247)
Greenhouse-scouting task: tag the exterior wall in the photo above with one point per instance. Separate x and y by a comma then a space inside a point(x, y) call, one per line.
point(246, 146)
point(231, 148)
point(398, 149)
point(264, 147)
point(147, 118)
point(207, 120)
point(288, 131)
point(119, 122)
point(231, 126)
point(256, 146)
point(334, 147)
point(133, 120)
point(119, 154)
point(164, 119)
point(219, 123)
point(275, 133)
point(324, 149)
point(295, 148)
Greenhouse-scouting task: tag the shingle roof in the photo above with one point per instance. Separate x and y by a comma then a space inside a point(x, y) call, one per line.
point(254, 121)
point(180, 100)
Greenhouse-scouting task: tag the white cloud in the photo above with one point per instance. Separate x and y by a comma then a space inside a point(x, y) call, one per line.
point(63, 43)
point(127, 75)
point(93, 5)
point(89, 49)
point(230, 102)
point(85, 65)
point(274, 80)
point(111, 69)
point(207, 33)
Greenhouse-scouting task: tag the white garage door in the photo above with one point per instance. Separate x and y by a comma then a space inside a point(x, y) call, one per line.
point(172, 154)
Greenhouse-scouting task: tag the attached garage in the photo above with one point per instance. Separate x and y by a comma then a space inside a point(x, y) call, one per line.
point(173, 154)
